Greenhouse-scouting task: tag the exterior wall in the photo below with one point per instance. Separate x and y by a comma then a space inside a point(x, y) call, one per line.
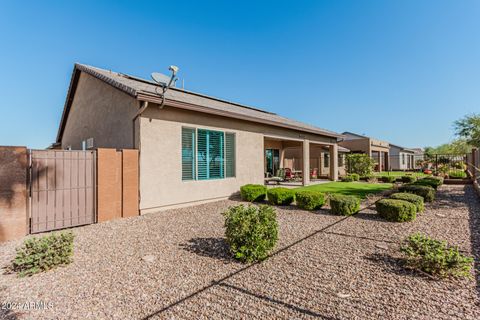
point(101, 112)
point(357, 145)
point(161, 184)
point(13, 193)
point(396, 162)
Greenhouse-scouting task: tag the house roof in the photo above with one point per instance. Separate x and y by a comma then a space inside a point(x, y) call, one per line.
point(146, 90)
point(403, 148)
point(355, 134)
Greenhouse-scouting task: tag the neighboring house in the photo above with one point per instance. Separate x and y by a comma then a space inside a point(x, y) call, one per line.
point(377, 149)
point(401, 158)
point(419, 157)
point(193, 149)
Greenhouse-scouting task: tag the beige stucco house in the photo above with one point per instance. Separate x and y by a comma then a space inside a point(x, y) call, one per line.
point(377, 149)
point(401, 158)
point(192, 149)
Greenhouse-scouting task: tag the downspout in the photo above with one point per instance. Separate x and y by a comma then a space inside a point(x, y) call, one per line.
point(143, 107)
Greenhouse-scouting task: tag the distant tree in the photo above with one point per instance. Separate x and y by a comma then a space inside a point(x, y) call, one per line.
point(459, 146)
point(360, 164)
point(468, 128)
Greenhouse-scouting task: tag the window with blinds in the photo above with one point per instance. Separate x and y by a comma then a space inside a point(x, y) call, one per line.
point(210, 154)
point(207, 154)
point(229, 155)
point(188, 154)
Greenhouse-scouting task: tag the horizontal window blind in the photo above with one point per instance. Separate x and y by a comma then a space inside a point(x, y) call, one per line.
point(230, 155)
point(188, 154)
point(210, 154)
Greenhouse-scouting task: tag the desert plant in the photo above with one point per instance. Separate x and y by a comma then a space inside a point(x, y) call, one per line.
point(344, 204)
point(426, 192)
point(389, 179)
point(408, 179)
point(396, 210)
point(435, 257)
point(309, 199)
point(280, 196)
point(251, 232)
point(410, 197)
point(44, 253)
point(360, 164)
point(253, 192)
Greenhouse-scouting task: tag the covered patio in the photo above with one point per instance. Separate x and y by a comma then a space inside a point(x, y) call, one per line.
point(286, 161)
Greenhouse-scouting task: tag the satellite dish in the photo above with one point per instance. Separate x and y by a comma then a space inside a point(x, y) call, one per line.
point(160, 78)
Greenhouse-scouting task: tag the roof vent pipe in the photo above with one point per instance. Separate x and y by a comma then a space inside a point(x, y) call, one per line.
point(165, 82)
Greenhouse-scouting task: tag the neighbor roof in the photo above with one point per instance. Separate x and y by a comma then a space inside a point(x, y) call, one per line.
point(402, 148)
point(145, 90)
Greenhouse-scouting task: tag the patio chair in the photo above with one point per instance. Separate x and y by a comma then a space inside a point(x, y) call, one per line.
point(279, 177)
point(289, 175)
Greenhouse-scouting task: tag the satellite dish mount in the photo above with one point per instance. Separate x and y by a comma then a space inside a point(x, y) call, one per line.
point(164, 82)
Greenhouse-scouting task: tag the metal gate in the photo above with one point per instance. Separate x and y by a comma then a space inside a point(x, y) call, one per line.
point(62, 189)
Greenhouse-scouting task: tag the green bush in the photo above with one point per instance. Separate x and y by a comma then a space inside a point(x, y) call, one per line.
point(44, 253)
point(280, 196)
point(426, 192)
point(408, 179)
point(351, 177)
point(410, 197)
point(253, 192)
point(457, 174)
point(251, 232)
point(360, 164)
point(347, 178)
point(344, 204)
point(389, 179)
point(433, 182)
point(435, 257)
point(309, 200)
point(396, 210)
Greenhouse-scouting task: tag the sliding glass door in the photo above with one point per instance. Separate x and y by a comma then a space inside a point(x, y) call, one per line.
point(272, 159)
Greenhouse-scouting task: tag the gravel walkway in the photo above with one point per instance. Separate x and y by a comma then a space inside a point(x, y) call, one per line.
point(325, 266)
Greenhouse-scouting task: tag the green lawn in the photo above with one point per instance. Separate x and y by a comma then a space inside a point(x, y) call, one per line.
point(399, 173)
point(359, 189)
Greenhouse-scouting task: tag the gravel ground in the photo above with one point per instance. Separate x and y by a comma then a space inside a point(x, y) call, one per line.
point(325, 266)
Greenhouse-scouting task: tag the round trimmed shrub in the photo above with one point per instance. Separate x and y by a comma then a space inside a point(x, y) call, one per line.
point(389, 179)
point(280, 196)
point(309, 199)
point(408, 179)
point(410, 197)
point(351, 177)
point(426, 192)
point(457, 174)
point(396, 210)
point(433, 182)
point(253, 192)
point(355, 176)
point(251, 232)
point(344, 205)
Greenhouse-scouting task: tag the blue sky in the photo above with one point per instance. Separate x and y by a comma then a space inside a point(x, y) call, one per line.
point(401, 71)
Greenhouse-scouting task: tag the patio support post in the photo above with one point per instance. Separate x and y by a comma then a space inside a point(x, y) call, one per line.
point(333, 162)
point(306, 163)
